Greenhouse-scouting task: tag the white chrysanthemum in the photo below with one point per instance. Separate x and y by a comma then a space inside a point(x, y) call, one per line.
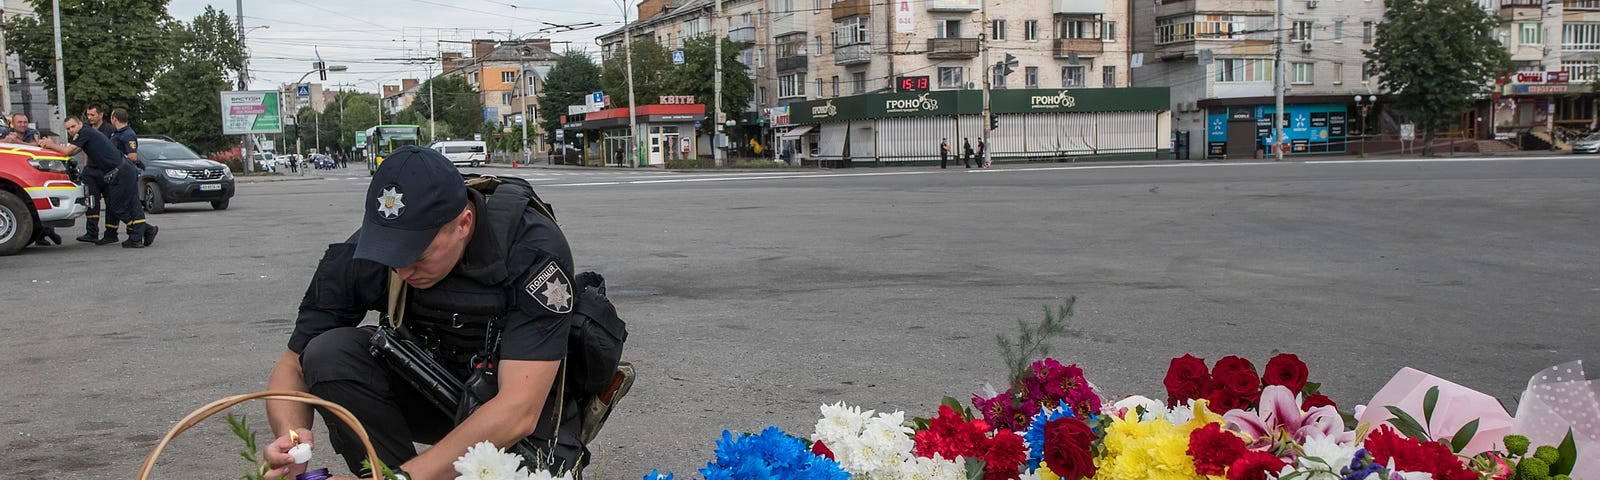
point(486, 462)
point(839, 421)
point(543, 475)
point(1178, 415)
point(920, 468)
point(888, 431)
point(1333, 454)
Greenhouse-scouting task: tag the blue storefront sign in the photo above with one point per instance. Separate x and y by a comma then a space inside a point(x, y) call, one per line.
point(1313, 128)
point(1217, 134)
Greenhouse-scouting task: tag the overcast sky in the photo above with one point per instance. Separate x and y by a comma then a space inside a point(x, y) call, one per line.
point(356, 33)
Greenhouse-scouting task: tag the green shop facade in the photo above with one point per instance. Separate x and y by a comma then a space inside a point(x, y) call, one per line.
point(1072, 124)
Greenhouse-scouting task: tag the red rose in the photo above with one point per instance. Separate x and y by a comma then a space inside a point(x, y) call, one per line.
point(1286, 369)
point(1068, 449)
point(821, 450)
point(1187, 378)
point(1232, 364)
point(1238, 376)
point(1255, 466)
point(1220, 401)
point(1318, 400)
point(1212, 449)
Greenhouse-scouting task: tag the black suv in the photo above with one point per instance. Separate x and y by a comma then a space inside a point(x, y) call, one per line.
point(175, 174)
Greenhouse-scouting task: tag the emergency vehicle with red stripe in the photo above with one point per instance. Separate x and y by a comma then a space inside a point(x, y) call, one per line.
point(35, 192)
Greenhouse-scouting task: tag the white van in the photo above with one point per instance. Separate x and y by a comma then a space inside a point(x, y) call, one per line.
point(463, 152)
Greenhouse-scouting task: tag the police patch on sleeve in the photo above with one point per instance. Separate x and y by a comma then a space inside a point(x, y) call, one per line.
point(551, 288)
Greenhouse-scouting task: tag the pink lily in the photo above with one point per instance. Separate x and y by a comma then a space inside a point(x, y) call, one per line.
point(1280, 414)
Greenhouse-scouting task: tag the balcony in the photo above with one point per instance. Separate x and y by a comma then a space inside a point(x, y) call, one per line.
point(1515, 4)
point(783, 24)
point(1092, 7)
point(791, 63)
point(852, 54)
point(952, 48)
point(851, 8)
point(1580, 4)
point(743, 33)
point(952, 6)
point(1083, 46)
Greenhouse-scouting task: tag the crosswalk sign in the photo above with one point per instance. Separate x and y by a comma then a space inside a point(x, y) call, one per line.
point(302, 90)
point(677, 57)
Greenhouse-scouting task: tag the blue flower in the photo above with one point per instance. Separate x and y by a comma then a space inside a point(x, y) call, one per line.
point(1035, 434)
point(770, 455)
point(656, 475)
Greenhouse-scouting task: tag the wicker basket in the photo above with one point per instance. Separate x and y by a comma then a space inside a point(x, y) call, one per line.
point(287, 395)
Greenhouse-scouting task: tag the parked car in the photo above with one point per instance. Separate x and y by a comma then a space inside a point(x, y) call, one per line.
point(175, 174)
point(35, 192)
point(470, 153)
point(1589, 144)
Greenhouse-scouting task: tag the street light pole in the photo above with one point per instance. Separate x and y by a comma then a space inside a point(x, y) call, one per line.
point(1365, 107)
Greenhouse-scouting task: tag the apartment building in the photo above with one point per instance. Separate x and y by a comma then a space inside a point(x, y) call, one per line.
point(1555, 51)
point(497, 69)
point(23, 91)
point(1217, 58)
point(398, 97)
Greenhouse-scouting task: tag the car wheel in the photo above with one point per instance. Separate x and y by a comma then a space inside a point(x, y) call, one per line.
point(16, 224)
point(154, 202)
point(219, 204)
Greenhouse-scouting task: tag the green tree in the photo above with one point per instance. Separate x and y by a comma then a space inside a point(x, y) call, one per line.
point(185, 104)
point(1437, 56)
point(113, 49)
point(459, 109)
point(696, 75)
point(574, 76)
point(652, 65)
point(360, 113)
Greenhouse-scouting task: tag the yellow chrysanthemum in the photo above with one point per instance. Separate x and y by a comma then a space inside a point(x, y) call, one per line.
point(1153, 450)
point(1046, 474)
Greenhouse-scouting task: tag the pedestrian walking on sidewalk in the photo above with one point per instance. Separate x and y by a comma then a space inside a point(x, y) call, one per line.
point(966, 153)
point(944, 152)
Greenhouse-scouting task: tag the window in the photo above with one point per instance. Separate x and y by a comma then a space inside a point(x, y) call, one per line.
point(792, 85)
point(1338, 31)
point(761, 95)
point(1531, 34)
point(791, 45)
point(1301, 32)
point(669, 41)
point(1580, 36)
point(1173, 30)
point(997, 78)
point(1238, 70)
point(1030, 77)
point(817, 47)
point(1365, 74)
point(1581, 70)
point(505, 99)
point(999, 30)
point(472, 78)
point(1030, 30)
point(1366, 31)
point(851, 31)
point(1301, 73)
point(1076, 29)
point(949, 29)
point(819, 87)
point(1580, 4)
point(508, 77)
point(1072, 76)
point(1108, 76)
point(1108, 31)
point(859, 80)
point(950, 77)
point(783, 6)
point(1338, 73)
point(835, 86)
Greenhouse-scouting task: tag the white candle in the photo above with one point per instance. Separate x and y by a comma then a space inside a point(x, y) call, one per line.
point(301, 453)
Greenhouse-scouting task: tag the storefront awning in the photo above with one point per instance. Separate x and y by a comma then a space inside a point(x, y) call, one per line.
point(796, 132)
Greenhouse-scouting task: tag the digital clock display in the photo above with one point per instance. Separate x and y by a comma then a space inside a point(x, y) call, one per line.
point(912, 84)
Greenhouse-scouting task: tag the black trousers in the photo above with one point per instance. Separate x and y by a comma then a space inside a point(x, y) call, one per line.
point(338, 366)
point(95, 190)
point(944, 159)
point(122, 203)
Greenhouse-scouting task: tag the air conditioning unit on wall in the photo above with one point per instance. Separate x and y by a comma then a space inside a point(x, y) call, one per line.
point(1311, 4)
point(1306, 46)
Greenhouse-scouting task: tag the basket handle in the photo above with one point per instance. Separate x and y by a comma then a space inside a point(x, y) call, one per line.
point(288, 395)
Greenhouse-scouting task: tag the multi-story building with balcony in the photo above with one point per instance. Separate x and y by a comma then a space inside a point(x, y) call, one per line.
point(1555, 53)
point(500, 71)
point(1218, 58)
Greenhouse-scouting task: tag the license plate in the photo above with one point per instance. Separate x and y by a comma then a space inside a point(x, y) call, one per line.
point(210, 186)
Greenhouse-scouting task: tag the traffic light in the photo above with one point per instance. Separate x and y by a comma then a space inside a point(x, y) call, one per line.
point(994, 122)
point(1008, 65)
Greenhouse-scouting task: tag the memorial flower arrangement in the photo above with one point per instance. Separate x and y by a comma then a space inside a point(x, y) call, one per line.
point(1226, 421)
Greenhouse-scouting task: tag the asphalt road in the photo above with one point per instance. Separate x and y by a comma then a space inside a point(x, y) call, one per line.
point(754, 297)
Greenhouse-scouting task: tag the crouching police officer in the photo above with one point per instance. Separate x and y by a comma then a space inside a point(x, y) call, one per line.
point(123, 198)
point(461, 271)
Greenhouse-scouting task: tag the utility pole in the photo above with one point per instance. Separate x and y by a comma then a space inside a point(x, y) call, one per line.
point(60, 119)
point(988, 76)
point(633, 122)
point(717, 155)
point(244, 84)
point(523, 75)
point(1277, 85)
point(5, 76)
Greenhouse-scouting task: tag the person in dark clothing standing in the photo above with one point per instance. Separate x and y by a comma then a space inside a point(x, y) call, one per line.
point(123, 197)
point(944, 152)
point(94, 186)
point(966, 152)
point(983, 162)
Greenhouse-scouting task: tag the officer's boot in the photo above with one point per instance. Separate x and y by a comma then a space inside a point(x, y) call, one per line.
point(91, 232)
point(109, 237)
point(136, 236)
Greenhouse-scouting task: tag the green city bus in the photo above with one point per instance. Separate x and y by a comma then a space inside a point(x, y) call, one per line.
point(384, 139)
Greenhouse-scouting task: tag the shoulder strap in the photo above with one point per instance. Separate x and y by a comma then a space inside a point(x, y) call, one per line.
point(397, 300)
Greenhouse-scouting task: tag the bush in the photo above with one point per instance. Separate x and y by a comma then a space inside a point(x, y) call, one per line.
point(759, 164)
point(684, 163)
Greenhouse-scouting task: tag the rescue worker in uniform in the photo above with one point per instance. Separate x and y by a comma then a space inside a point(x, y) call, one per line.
point(123, 198)
point(127, 143)
point(95, 187)
point(435, 234)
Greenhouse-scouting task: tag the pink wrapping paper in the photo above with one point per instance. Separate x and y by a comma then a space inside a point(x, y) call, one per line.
point(1456, 407)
